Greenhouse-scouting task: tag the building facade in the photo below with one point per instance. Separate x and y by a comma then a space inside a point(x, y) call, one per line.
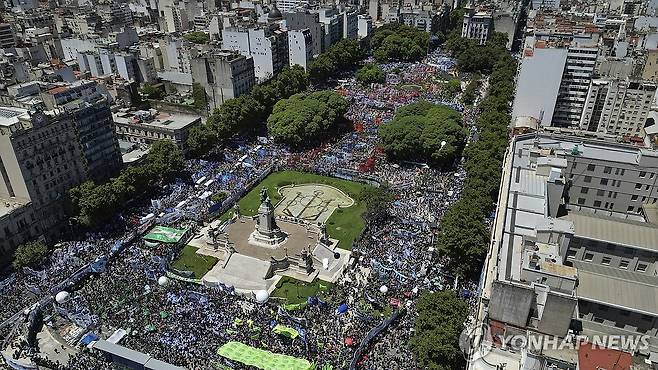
point(574, 86)
point(267, 45)
point(618, 107)
point(300, 47)
point(223, 75)
point(477, 25)
point(146, 127)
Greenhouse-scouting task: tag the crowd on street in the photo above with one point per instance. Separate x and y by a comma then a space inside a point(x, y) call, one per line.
point(184, 323)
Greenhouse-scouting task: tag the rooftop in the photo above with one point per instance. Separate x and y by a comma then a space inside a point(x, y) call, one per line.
point(164, 120)
point(9, 115)
point(8, 205)
point(632, 234)
point(612, 286)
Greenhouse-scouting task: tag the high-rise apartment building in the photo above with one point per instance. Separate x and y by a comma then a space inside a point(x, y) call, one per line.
point(223, 75)
point(43, 155)
point(618, 107)
point(267, 45)
point(574, 85)
point(300, 47)
point(7, 36)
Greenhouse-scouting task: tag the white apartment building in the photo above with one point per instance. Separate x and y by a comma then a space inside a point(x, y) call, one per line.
point(300, 47)
point(267, 45)
point(618, 107)
point(477, 25)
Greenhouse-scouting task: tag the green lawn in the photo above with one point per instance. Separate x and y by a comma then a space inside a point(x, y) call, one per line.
point(188, 260)
point(345, 224)
point(295, 291)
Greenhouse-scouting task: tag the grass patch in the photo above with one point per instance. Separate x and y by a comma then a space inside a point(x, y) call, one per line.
point(188, 260)
point(345, 224)
point(296, 291)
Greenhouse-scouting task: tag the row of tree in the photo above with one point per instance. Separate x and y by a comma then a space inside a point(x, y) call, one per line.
point(93, 204)
point(472, 57)
point(399, 42)
point(424, 132)
point(437, 328)
point(247, 112)
point(471, 90)
point(464, 237)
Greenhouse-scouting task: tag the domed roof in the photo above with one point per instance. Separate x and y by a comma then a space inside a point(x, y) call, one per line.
point(163, 281)
point(62, 297)
point(262, 296)
point(275, 13)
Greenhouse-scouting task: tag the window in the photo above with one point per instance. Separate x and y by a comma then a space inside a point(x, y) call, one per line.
point(638, 186)
point(584, 190)
point(581, 201)
point(597, 203)
point(600, 193)
point(607, 169)
point(588, 179)
point(622, 172)
point(606, 261)
point(642, 267)
point(591, 167)
point(571, 253)
point(604, 181)
point(612, 205)
point(634, 197)
point(589, 257)
point(643, 174)
point(630, 209)
point(624, 264)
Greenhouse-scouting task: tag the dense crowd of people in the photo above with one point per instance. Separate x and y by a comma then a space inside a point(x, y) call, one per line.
point(184, 323)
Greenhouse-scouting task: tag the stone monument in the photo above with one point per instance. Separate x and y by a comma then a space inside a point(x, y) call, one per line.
point(267, 233)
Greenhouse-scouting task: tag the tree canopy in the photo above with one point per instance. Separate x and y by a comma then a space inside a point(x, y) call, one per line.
point(197, 37)
point(152, 92)
point(307, 119)
point(370, 73)
point(377, 201)
point(476, 58)
point(199, 96)
point(93, 204)
point(247, 112)
point(341, 56)
point(399, 42)
point(424, 132)
point(440, 321)
point(29, 254)
point(464, 236)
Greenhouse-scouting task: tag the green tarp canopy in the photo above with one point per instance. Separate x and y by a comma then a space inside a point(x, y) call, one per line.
point(261, 359)
point(286, 331)
point(164, 234)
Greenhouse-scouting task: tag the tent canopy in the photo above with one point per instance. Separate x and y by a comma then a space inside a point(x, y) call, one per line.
point(261, 359)
point(165, 234)
point(285, 331)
